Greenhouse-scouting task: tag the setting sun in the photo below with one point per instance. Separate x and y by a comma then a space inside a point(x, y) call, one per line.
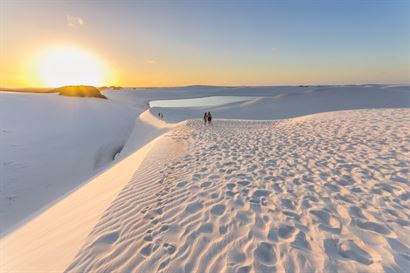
point(70, 66)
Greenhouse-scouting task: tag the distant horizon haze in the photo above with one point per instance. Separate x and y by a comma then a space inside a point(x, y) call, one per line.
point(32, 88)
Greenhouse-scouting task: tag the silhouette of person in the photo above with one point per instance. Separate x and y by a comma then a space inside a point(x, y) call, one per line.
point(205, 118)
point(209, 117)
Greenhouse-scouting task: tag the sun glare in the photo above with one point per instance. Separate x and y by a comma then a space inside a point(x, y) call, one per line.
point(70, 66)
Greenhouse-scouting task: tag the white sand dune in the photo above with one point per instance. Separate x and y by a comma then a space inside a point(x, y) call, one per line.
point(49, 241)
point(51, 144)
point(321, 193)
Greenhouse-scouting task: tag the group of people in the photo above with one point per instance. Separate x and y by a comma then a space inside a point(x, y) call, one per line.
point(207, 118)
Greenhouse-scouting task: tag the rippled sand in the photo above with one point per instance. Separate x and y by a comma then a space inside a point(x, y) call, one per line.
point(321, 193)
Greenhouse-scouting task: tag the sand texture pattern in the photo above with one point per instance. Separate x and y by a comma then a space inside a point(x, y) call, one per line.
point(321, 193)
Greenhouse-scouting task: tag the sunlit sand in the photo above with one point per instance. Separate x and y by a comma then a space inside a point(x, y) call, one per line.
point(309, 179)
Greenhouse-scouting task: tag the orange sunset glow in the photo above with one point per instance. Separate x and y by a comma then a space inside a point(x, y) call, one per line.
point(68, 65)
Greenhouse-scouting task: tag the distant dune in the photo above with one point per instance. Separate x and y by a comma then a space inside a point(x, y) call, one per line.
point(27, 90)
point(80, 91)
point(69, 90)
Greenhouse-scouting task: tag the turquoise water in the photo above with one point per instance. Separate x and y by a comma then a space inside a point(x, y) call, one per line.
point(199, 102)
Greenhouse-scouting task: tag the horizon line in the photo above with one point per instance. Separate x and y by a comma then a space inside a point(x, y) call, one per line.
point(3, 88)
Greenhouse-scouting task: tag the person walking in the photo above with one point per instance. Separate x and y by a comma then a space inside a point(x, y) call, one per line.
point(205, 118)
point(209, 118)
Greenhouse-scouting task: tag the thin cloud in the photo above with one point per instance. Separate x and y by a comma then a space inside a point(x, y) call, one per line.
point(74, 21)
point(149, 61)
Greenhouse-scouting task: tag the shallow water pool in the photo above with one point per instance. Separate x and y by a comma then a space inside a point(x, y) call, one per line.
point(199, 102)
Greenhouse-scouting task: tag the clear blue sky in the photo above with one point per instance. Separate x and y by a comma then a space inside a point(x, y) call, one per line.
point(218, 42)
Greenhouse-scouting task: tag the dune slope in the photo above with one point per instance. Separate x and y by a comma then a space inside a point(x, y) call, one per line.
point(50, 145)
point(320, 193)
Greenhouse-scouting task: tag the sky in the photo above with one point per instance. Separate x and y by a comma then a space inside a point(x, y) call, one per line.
point(176, 43)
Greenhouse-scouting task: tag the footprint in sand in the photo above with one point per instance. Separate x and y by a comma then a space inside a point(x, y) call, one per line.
point(264, 201)
point(356, 212)
point(168, 248)
point(346, 181)
point(399, 248)
point(277, 188)
point(163, 264)
point(146, 250)
point(218, 209)
point(244, 183)
point(285, 231)
point(223, 229)
point(260, 193)
point(194, 207)
point(265, 254)
point(243, 218)
point(327, 221)
point(158, 211)
point(144, 210)
point(214, 176)
point(206, 228)
point(346, 249)
point(230, 193)
point(272, 235)
point(236, 256)
point(206, 184)
point(332, 187)
point(107, 239)
point(164, 228)
point(372, 226)
point(291, 214)
point(287, 204)
point(252, 168)
point(301, 242)
point(244, 269)
point(215, 195)
point(149, 216)
point(356, 190)
point(350, 250)
point(181, 184)
point(196, 177)
point(306, 204)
